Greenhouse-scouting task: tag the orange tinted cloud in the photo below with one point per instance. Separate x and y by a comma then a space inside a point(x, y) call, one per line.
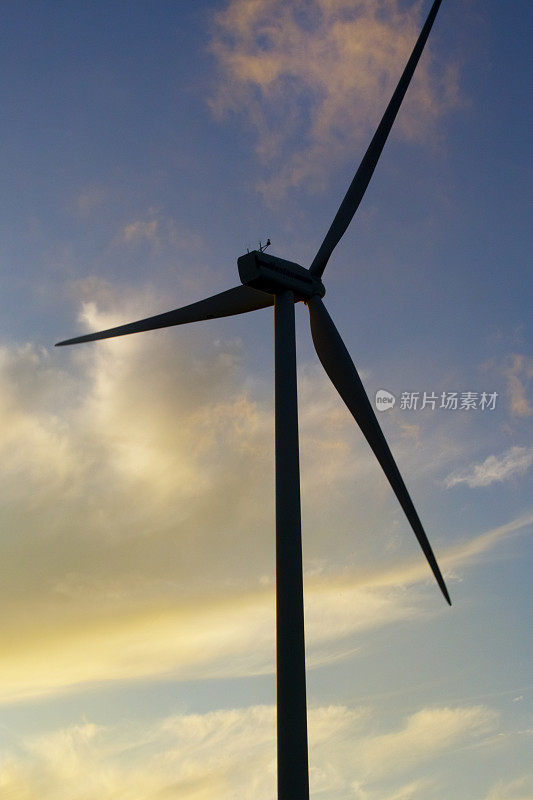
point(313, 79)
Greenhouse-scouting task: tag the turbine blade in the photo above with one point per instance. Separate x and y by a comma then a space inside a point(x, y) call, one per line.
point(340, 368)
point(358, 186)
point(234, 301)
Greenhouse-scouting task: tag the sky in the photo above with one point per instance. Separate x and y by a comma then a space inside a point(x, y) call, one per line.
point(145, 147)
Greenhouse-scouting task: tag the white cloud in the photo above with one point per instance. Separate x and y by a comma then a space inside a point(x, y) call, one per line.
point(495, 469)
point(314, 79)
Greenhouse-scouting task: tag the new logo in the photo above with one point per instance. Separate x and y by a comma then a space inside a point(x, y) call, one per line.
point(384, 400)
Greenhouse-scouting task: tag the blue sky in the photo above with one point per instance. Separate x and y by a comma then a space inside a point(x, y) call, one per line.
point(145, 147)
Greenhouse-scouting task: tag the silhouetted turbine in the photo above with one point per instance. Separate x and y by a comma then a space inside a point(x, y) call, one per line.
point(268, 280)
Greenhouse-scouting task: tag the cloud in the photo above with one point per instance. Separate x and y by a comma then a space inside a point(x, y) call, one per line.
point(165, 238)
point(91, 198)
point(495, 469)
point(459, 555)
point(136, 536)
point(231, 635)
point(519, 373)
point(137, 524)
point(425, 733)
point(463, 553)
point(518, 789)
point(140, 230)
point(226, 635)
point(410, 791)
point(313, 79)
point(129, 490)
point(228, 753)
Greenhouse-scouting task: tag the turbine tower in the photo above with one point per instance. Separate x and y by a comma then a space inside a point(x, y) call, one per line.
point(268, 280)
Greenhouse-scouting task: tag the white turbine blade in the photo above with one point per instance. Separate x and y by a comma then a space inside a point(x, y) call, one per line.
point(358, 186)
point(239, 300)
point(341, 370)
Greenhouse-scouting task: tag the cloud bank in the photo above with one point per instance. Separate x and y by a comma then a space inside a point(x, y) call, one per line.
point(137, 531)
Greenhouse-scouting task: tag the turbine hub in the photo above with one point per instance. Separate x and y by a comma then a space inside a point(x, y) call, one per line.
point(272, 275)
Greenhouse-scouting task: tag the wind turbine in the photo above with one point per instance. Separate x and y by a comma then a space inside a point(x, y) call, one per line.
point(268, 280)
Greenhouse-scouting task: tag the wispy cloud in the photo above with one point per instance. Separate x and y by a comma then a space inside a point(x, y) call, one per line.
point(228, 635)
point(517, 789)
point(313, 79)
point(495, 469)
point(425, 733)
point(460, 555)
point(231, 753)
point(163, 235)
point(420, 788)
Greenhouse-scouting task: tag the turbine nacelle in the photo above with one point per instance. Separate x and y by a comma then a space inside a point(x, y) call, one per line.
point(271, 274)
